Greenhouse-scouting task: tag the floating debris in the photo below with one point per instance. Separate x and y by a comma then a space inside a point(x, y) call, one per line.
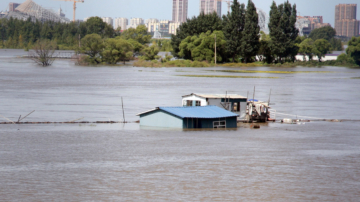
point(272, 72)
point(255, 126)
point(227, 76)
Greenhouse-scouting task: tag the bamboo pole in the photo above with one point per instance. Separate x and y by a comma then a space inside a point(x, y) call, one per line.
point(76, 120)
point(7, 119)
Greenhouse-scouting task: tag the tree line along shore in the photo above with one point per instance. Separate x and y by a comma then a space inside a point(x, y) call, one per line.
point(236, 36)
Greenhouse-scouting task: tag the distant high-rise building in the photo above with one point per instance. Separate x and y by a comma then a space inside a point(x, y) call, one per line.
point(210, 6)
point(345, 11)
point(180, 10)
point(151, 20)
point(61, 14)
point(12, 6)
point(345, 20)
point(121, 22)
point(108, 20)
point(134, 22)
point(306, 24)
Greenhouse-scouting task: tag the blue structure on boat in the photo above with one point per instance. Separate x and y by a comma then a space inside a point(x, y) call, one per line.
point(189, 117)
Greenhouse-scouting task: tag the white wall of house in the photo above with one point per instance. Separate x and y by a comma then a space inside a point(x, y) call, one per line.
point(326, 58)
point(301, 57)
point(215, 102)
point(196, 98)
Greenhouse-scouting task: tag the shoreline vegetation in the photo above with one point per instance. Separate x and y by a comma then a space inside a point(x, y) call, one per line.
point(189, 63)
point(233, 40)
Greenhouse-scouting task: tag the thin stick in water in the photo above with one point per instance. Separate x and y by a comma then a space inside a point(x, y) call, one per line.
point(7, 119)
point(26, 115)
point(122, 105)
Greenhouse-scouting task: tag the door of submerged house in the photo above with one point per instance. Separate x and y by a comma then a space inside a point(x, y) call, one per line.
point(197, 123)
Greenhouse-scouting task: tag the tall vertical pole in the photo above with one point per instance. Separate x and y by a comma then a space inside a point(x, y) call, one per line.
point(74, 11)
point(122, 105)
point(79, 41)
point(254, 95)
point(215, 49)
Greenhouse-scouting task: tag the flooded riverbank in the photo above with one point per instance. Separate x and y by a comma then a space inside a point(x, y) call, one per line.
point(315, 161)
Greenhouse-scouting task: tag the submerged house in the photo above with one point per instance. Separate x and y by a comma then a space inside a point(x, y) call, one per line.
point(189, 117)
point(231, 102)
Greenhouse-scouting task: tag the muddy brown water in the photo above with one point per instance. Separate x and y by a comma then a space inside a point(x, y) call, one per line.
point(316, 161)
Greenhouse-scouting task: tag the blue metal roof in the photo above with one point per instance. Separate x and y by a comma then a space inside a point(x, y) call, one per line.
point(206, 112)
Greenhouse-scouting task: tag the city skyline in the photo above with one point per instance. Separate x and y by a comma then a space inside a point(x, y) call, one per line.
point(346, 23)
point(131, 9)
point(209, 6)
point(180, 10)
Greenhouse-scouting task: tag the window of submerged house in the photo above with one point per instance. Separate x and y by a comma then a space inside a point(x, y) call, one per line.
point(219, 124)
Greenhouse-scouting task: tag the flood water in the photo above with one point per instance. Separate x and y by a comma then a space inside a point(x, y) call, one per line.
point(315, 161)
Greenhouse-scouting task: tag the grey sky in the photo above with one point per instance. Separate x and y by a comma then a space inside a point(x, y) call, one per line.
point(162, 9)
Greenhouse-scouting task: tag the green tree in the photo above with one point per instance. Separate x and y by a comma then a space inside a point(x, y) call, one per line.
point(164, 45)
point(138, 47)
point(150, 53)
point(345, 59)
point(283, 32)
point(195, 26)
point(307, 48)
point(202, 47)
point(250, 39)
point(46, 31)
point(20, 42)
point(233, 26)
point(264, 53)
point(353, 49)
point(140, 34)
point(167, 58)
point(95, 25)
point(336, 44)
point(92, 45)
point(116, 50)
point(326, 32)
point(321, 47)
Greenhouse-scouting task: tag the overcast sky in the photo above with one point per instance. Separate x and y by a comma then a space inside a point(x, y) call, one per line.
point(161, 9)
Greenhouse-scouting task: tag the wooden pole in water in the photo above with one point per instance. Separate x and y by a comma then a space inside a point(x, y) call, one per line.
point(269, 98)
point(254, 95)
point(122, 105)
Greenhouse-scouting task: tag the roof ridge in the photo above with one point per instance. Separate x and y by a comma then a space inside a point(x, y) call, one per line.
point(188, 106)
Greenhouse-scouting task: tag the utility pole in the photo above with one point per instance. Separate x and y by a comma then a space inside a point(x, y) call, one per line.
point(215, 49)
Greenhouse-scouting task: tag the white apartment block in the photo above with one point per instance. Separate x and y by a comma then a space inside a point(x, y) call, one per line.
point(209, 6)
point(173, 27)
point(121, 22)
point(108, 20)
point(180, 10)
point(134, 22)
point(151, 20)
